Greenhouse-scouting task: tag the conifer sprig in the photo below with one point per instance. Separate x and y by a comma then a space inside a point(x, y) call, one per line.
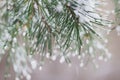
point(51, 28)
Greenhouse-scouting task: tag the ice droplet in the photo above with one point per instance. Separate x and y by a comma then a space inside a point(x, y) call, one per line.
point(62, 59)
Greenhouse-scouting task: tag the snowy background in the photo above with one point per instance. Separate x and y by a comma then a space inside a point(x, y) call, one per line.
point(53, 70)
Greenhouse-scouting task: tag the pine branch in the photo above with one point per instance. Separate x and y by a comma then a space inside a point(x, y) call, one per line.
point(69, 27)
point(117, 16)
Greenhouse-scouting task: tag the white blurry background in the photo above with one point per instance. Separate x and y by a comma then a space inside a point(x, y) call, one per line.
point(53, 70)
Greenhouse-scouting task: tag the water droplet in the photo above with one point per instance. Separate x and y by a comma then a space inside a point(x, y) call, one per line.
point(62, 59)
point(81, 64)
point(40, 68)
point(54, 57)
